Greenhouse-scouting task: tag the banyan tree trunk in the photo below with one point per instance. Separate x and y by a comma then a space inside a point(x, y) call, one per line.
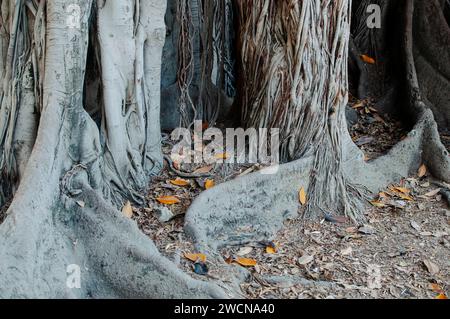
point(293, 58)
point(65, 203)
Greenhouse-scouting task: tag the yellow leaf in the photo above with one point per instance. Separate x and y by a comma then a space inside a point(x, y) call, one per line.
point(127, 210)
point(246, 262)
point(209, 183)
point(222, 156)
point(302, 196)
point(422, 171)
point(405, 197)
point(195, 257)
point(168, 200)
point(367, 59)
point(403, 190)
point(376, 203)
point(271, 250)
point(179, 182)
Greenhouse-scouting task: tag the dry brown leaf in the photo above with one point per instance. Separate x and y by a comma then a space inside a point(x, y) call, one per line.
point(367, 59)
point(305, 259)
point(433, 193)
point(422, 171)
point(431, 267)
point(403, 190)
point(179, 182)
point(377, 203)
point(168, 200)
point(246, 262)
point(358, 105)
point(203, 170)
point(209, 183)
point(244, 251)
point(195, 257)
point(81, 203)
point(302, 196)
point(127, 210)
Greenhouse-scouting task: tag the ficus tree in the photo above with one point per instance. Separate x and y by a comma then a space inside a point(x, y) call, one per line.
point(84, 86)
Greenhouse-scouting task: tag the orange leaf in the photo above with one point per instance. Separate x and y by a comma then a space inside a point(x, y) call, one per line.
point(195, 257)
point(246, 262)
point(179, 182)
point(442, 297)
point(436, 288)
point(422, 171)
point(127, 210)
point(209, 183)
point(302, 196)
point(367, 59)
point(168, 200)
point(271, 250)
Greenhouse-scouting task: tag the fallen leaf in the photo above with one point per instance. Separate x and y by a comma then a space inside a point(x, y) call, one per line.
point(246, 262)
point(244, 251)
point(195, 257)
point(302, 196)
point(347, 251)
point(367, 59)
point(358, 105)
point(271, 250)
point(367, 230)
point(442, 297)
point(431, 267)
point(405, 197)
point(209, 183)
point(168, 200)
point(305, 259)
point(127, 210)
point(221, 156)
point(403, 190)
point(415, 225)
point(377, 203)
point(203, 170)
point(422, 171)
point(81, 203)
point(179, 182)
point(433, 193)
point(436, 288)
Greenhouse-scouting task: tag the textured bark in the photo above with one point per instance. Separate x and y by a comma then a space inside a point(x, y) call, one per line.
point(294, 60)
point(76, 161)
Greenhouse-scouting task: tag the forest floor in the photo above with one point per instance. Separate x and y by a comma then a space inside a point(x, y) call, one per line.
point(403, 251)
